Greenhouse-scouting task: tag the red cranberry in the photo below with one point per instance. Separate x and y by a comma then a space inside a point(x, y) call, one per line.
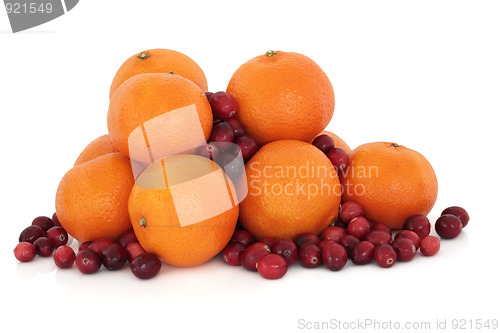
point(232, 253)
point(359, 227)
point(56, 219)
point(307, 237)
point(411, 235)
point(43, 222)
point(458, 212)
point(87, 261)
point(378, 238)
point(350, 210)
point(405, 249)
point(64, 257)
point(384, 255)
point(310, 255)
point(237, 126)
point(333, 233)
point(248, 146)
point(382, 227)
point(419, 224)
point(25, 251)
point(99, 245)
point(57, 236)
point(252, 254)
point(324, 143)
point(268, 241)
point(84, 246)
point(31, 234)
point(429, 246)
point(325, 243)
point(222, 132)
point(223, 105)
point(216, 121)
point(272, 266)
point(145, 266)
point(334, 256)
point(339, 158)
point(210, 151)
point(209, 95)
point(448, 226)
point(44, 247)
point(114, 257)
point(134, 250)
point(348, 242)
point(127, 237)
point(362, 253)
point(285, 248)
point(243, 237)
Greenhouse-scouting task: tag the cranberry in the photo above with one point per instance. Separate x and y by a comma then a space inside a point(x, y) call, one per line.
point(268, 241)
point(25, 251)
point(99, 245)
point(252, 254)
point(419, 224)
point(384, 255)
point(411, 235)
point(232, 253)
point(430, 246)
point(325, 242)
point(243, 237)
point(382, 227)
point(216, 121)
point(248, 146)
point(310, 255)
point(145, 266)
point(272, 266)
point(405, 249)
point(114, 257)
point(359, 227)
point(285, 248)
point(339, 159)
point(44, 247)
point(223, 105)
point(57, 236)
point(378, 238)
point(43, 222)
point(31, 234)
point(324, 143)
point(87, 261)
point(350, 210)
point(306, 237)
point(64, 257)
point(84, 246)
point(56, 219)
point(127, 237)
point(334, 256)
point(333, 233)
point(237, 126)
point(348, 242)
point(458, 212)
point(362, 253)
point(134, 250)
point(209, 95)
point(448, 226)
point(222, 132)
point(210, 151)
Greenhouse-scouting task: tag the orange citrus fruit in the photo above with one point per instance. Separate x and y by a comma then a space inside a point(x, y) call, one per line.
point(92, 198)
point(146, 97)
point(183, 210)
point(282, 95)
point(101, 146)
point(337, 140)
point(390, 181)
point(159, 61)
point(292, 188)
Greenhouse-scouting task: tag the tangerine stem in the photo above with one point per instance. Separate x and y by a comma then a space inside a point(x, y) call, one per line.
point(270, 53)
point(143, 55)
point(142, 222)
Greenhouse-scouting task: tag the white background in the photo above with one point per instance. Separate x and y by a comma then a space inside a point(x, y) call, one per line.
point(424, 74)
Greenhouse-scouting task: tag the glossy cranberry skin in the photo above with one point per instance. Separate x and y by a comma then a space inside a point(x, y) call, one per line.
point(99, 245)
point(57, 236)
point(87, 261)
point(208, 94)
point(232, 253)
point(127, 237)
point(350, 210)
point(43, 222)
point(419, 224)
point(272, 266)
point(268, 241)
point(334, 256)
point(348, 242)
point(405, 249)
point(248, 146)
point(210, 151)
point(324, 143)
point(448, 226)
point(429, 246)
point(25, 251)
point(31, 234)
point(114, 257)
point(307, 237)
point(382, 227)
point(243, 237)
point(252, 254)
point(64, 256)
point(134, 249)
point(285, 248)
point(334, 233)
point(378, 238)
point(325, 242)
point(84, 245)
point(310, 255)
point(56, 219)
point(384, 255)
point(339, 158)
point(458, 212)
point(359, 227)
point(411, 235)
point(222, 132)
point(44, 247)
point(223, 105)
point(146, 266)
point(362, 253)
point(237, 126)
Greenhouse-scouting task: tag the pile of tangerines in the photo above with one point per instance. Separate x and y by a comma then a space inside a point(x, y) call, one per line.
point(309, 195)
